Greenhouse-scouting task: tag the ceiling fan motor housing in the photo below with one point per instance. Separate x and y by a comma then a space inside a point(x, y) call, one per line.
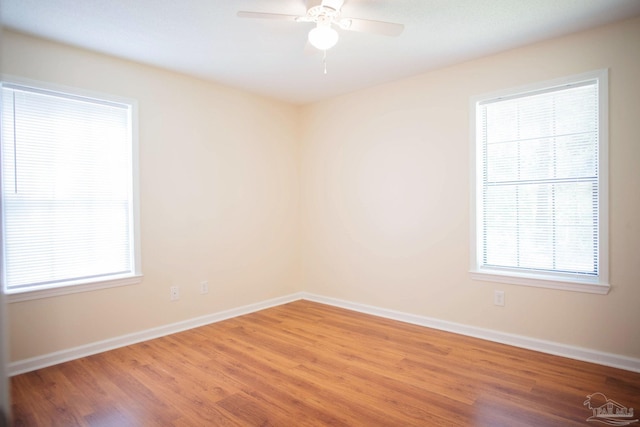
point(330, 4)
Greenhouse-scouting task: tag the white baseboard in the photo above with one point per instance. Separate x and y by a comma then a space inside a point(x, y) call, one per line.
point(572, 352)
point(38, 362)
point(601, 358)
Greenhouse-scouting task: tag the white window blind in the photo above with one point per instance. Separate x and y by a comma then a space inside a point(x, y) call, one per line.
point(539, 195)
point(66, 189)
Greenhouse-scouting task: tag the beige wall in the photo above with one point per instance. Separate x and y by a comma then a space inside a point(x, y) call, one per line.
point(384, 214)
point(385, 185)
point(219, 199)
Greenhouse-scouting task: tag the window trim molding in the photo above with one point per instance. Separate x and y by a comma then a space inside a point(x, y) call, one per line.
point(596, 285)
point(72, 287)
point(539, 282)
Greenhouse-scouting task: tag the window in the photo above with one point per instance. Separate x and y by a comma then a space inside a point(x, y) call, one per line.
point(540, 185)
point(69, 198)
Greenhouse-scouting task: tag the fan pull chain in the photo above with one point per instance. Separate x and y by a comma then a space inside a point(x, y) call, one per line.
point(324, 61)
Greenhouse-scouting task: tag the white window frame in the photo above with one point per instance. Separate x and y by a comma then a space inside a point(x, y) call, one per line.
point(70, 287)
point(597, 284)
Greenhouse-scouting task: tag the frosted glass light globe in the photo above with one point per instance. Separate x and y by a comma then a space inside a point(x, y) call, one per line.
point(323, 37)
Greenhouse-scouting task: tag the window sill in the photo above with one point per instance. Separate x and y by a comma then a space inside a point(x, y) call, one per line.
point(542, 282)
point(47, 292)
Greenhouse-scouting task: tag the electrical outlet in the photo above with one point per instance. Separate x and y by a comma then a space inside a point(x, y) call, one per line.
point(498, 298)
point(174, 293)
point(204, 287)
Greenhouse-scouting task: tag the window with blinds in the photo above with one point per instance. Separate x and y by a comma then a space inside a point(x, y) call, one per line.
point(539, 190)
point(67, 189)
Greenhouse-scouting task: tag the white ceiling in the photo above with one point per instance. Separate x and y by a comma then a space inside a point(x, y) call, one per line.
point(206, 39)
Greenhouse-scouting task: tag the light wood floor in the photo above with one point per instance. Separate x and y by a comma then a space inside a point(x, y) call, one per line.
point(307, 364)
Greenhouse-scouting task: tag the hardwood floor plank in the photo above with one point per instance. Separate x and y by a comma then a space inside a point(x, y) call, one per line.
point(309, 364)
point(264, 381)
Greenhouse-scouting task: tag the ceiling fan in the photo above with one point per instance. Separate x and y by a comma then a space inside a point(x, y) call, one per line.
point(327, 16)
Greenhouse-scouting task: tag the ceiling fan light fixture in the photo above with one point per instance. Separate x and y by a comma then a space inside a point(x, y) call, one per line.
point(323, 37)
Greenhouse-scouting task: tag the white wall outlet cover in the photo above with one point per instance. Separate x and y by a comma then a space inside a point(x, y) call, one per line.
point(204, 287)
point(498, 298)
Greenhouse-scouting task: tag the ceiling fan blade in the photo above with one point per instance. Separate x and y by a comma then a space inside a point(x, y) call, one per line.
point(260, 15)
point(375, 27)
